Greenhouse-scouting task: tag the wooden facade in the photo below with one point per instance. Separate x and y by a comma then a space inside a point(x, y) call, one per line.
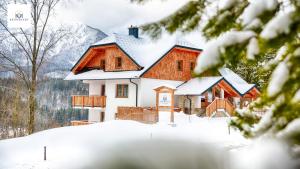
point(110, 56)
point(140, 114)
point(168, 68)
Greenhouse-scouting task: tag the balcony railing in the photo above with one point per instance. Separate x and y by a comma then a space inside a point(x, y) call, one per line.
point(80, 122)
point(89, 101)
point(220, 104)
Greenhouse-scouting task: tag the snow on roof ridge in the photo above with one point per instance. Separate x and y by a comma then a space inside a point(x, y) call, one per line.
point(106, 40)
point(235, 80)
point(183, 42)
point(197, 86)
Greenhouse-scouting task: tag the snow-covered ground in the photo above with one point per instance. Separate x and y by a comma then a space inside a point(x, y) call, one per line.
point(76, 146)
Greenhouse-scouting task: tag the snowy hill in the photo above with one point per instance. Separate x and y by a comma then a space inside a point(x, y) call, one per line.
point(192, 144)
point(77, 146)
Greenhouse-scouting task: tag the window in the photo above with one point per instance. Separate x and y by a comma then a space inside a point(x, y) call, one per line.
point(122, 91)
point(192, 66)
point(102, 64)
point(179, 65)
point(118, 62)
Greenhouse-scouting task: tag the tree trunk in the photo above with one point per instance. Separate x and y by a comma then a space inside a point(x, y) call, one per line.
point(32, 90)
point(32, 101)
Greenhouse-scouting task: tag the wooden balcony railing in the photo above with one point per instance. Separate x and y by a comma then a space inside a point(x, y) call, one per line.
point(140, 114)
point(89, 101)
point(80, 122)
point(218, 104)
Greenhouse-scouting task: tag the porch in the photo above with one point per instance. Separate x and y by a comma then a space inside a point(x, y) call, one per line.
point(220, 107)
point(88, 101)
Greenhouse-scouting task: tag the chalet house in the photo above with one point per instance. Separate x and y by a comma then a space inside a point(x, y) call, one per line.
point(123, 70)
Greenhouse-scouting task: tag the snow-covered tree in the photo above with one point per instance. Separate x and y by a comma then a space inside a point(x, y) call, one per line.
point(250, 32)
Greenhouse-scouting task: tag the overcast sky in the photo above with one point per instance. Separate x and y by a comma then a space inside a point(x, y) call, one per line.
point(117, 15)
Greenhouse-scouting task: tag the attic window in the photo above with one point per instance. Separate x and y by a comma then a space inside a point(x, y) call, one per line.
point(179, 65)
point(102, 64)
point(118, 62)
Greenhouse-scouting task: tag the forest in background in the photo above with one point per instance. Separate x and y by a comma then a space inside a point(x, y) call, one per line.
point(53, 102)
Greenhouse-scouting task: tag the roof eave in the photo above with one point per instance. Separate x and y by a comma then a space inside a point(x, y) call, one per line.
point(106, 44)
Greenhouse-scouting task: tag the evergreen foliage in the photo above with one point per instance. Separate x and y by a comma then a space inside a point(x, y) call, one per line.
point(258, 38)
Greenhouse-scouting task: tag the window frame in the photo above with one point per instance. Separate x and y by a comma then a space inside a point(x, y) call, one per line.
point(122, 90)
point(179, 65)
point(118, 60)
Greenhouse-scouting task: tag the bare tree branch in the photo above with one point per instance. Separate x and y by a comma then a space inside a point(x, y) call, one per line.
point(17, 40)
point(27, 39)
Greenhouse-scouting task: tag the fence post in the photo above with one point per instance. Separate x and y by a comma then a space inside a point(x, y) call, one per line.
point(45, 153)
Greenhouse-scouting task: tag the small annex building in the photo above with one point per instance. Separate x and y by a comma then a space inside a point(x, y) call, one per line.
point(198, 94)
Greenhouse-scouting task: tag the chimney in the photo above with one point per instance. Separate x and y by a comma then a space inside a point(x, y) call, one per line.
point(134, 31)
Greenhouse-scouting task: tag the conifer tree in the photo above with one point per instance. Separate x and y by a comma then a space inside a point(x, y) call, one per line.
point(264, 33)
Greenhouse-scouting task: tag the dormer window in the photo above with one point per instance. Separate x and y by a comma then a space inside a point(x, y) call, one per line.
point(118, 62)
point(102, 64)
point(179, 65)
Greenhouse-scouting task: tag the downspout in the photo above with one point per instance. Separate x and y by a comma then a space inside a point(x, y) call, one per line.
point(136, 92)
point(190, 103)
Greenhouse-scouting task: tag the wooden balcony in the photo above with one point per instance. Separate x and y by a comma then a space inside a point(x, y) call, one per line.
point(89, 101)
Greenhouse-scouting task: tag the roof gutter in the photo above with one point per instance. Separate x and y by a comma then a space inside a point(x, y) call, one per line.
point(136, 92)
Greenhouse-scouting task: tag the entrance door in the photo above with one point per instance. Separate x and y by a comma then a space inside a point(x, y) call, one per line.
point(187, 106)
point(102, 90)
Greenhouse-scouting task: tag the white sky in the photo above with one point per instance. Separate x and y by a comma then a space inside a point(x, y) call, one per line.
point(117, 15)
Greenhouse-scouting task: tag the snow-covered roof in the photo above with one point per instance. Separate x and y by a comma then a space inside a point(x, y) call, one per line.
point(197, 86)
point(145, 51)
point(100, 74)
point(236, 81)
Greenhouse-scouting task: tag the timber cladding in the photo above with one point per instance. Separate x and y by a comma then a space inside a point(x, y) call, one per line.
point(110, 55)
point(168, 67)
point(140, 114)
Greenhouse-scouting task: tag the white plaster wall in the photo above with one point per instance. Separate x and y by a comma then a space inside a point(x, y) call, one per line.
point(112, 102)
point(95, 86)
point(148, 95)
point(94, 115)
